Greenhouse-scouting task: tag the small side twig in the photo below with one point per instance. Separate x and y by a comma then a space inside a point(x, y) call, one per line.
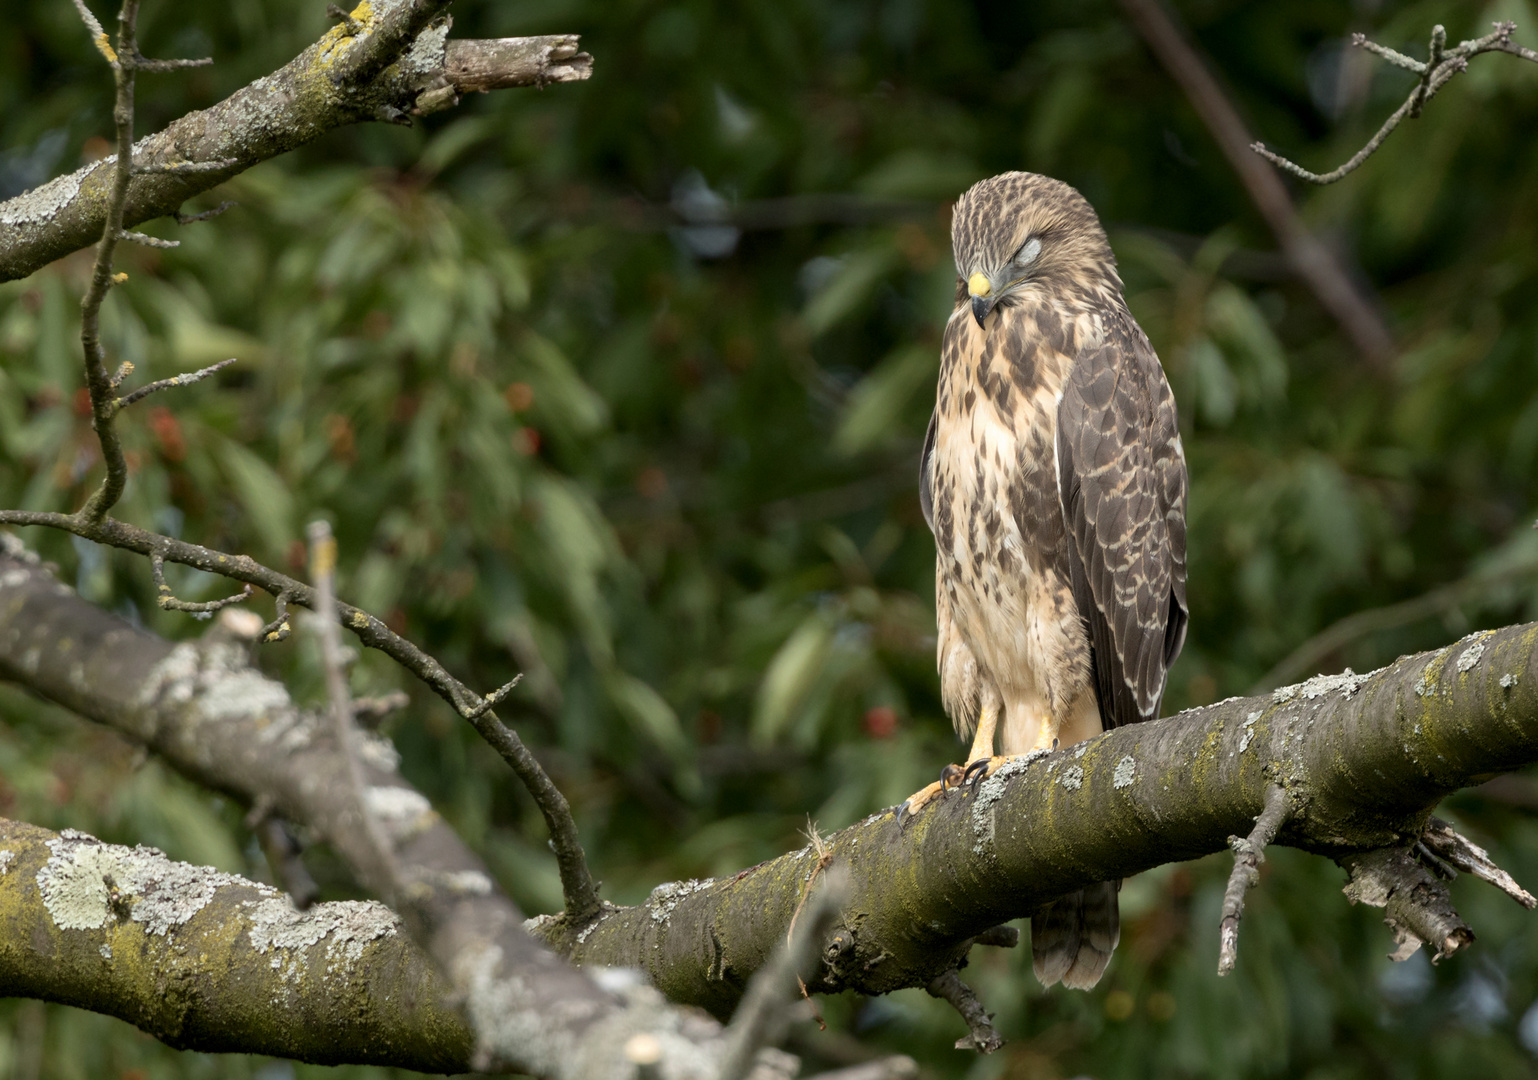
point(189, 219)
point(764, 1013)
point(371, 711)
point(145, 240)
point(491, 700)
point(1462, 853)
point(323, 574)
point(280, 627)
point(1249, 853)
point(1440, 66)
point(982, 1035)
point(186, 379)
point(168, 602)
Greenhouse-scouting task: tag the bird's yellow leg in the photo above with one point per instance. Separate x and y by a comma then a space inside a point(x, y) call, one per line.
point(984, 763)
point(951, 775)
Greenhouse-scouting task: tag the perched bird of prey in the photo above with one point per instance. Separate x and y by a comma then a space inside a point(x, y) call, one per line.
point(1054, 482)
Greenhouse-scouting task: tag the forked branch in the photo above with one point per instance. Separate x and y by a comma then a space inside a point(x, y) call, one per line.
point(1435, 72)
point(1249, 853)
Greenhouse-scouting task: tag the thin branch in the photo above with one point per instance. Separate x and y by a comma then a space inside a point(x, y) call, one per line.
point(1312, 261)
point(981, 1034)
point(280, 627)
point(97, 381)
point(166, 384)
point(1469, 857)
point(188, 219)
point(1249, 853)
point(771, 996)
point(323, 575)
point(168, 602)
point(156, 67)
point(98, 35)
point(1441, 65)
point(494, 698)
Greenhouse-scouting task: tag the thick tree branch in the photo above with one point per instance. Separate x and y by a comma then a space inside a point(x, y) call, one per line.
point(205, 711)
point(1363, 759)
point(277, 113)
point(1310, 259)
point(110, 928)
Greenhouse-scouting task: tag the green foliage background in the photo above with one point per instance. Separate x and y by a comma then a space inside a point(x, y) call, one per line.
point(669, 471)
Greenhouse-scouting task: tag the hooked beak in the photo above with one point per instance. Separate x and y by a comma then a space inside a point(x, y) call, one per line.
point(981, 290)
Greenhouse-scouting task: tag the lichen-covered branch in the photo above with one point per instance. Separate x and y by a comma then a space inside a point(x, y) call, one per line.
point(1363, 760)
point(203, 709)
point(280, 112)
point(578, 887)
point(111, 928)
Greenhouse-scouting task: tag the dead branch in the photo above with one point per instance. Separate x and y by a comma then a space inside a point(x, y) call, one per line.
point(981, 1034)
point(1249, 853)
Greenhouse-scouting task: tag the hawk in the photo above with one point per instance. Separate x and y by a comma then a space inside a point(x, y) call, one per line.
point(1054, 482)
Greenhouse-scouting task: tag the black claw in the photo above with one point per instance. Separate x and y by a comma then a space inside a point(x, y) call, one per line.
point(975, 773)
point(902, 812)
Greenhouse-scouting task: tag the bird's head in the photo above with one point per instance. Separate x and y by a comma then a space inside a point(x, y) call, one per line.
point(1019, 230)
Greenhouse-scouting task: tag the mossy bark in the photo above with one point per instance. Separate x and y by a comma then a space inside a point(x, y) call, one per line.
point(219, 979)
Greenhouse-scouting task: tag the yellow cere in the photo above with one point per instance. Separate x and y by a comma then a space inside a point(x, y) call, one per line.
point(978, 285)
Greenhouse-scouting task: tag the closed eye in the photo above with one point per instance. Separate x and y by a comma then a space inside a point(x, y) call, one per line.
point(1027, 253)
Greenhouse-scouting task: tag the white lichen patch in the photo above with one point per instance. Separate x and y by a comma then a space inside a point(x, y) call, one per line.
point(106, 951)
point(86, 884)
point(44, 202)
point(1249, 731)
point(664, 898)
point(1508, 681)
point(346, 926)
point(216, 679)
point(991, 791)
point(466, 883)
point(6, 858)
point(1345, 684)
point(403, 812)
point(376, 751)
point(1470, 656)
point(1427, 683)
point(1126, 772)
point(1072, 778)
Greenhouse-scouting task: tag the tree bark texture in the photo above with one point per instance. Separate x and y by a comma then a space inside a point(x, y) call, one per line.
point(210, 961)
point(207, 713)
point(294, 105)
point(1363, 760)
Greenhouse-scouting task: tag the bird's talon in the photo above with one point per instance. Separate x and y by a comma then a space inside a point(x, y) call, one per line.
point(976, 772)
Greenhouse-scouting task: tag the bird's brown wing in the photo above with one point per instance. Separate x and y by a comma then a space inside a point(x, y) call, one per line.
point(1122, 480)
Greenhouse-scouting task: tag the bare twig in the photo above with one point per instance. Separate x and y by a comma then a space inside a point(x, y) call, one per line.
point(981, 1036)
point(323, 574)
point(1249, 853)
point(145, 240)
point(166, 384)
point(280, 627)
point(169, 602)
point(1313, 262)
point(370, 711)
point(98, 35)
point(188, 219)
point(492, 699)
point(766, 1006)
point(1000, 937)
point(1441, 65)
point(98, 382)
point(1469, 857)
